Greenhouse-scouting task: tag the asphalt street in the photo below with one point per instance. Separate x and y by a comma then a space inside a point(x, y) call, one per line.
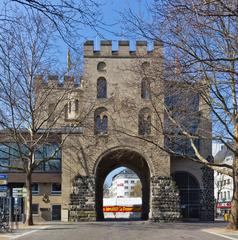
point(126, 231)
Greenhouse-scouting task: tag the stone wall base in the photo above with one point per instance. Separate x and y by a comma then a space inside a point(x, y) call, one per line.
point(82, 206)
point(165, 200)
point(207, 195)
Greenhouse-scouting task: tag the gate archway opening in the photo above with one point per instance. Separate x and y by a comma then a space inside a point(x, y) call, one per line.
point(189, 191)
point(122, 196)
point(128, 159)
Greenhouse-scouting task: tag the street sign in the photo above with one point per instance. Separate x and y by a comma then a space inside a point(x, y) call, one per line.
point(3, 188)
point(3, 176)
point(18, 192)
point(3, 182)
point(3, 194)
point(3, 179)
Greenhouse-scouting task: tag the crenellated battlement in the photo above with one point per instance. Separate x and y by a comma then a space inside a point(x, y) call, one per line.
point(54, 81)
point(123, 49)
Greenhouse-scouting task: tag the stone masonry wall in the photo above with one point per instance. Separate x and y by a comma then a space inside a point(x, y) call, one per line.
point(165, 200)
point(207, 195)
point(82, 205)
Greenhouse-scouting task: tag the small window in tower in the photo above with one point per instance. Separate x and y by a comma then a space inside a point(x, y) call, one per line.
point(144, 122)
point(76, 105)
point(101, 66)
point(100, 121)
point(101, 88)
point(145, 89)
point(70, 106)
point(51, 112)
point(145, 66)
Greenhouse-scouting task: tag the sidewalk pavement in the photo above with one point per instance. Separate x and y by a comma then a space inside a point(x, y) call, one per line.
point(22, 230)
point(223, 232)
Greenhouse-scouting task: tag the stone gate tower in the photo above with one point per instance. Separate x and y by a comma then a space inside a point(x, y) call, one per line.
point(114, 109)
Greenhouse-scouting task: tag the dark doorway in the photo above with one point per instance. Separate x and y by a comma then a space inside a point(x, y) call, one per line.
point(56, 212)
point(189, 194)
point(123, 158)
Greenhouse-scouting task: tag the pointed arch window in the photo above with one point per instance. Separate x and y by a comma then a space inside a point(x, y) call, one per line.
point(101, 88)
point(144, 122)
point(145, 89)
point(100, 121)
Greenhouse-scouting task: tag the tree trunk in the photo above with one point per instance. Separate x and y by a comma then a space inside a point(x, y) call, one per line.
point(29, 219)
point(234, 204)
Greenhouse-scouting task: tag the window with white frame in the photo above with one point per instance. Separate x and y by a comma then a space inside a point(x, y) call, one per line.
point(35, 188)
point(56, 188)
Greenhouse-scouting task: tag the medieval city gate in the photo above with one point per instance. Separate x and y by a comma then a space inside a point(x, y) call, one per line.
point(122, 158)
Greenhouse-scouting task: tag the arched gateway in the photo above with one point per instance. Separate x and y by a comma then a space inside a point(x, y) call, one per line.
point(122, 158)
point(121, 124)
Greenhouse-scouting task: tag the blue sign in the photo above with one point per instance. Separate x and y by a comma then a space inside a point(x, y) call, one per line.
point(3, 176)
point(3, 188)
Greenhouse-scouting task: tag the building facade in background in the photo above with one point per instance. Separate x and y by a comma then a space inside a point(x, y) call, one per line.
point(123, 184)
point(223, 184)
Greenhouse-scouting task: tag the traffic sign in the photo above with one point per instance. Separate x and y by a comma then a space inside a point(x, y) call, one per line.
point(3, 194)
point(3, 188)
point(3, 176)
point(3, 179)
point(18, 192)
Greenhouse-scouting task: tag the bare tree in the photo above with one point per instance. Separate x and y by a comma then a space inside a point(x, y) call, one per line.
point(69, 17)
point(200, 65)
point(31, 110)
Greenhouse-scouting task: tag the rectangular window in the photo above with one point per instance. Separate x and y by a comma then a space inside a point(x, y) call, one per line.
point(221, 195)
point(51, 156)
point(56, 188)
point(53, 166)
point(4, 162)
point(126, 187)
point(228, 181)
point(35, 208)
point(132, 181)
point(228, 195)
point(224, 195)
point(126, 194)
point(35, 188)
point(126, 181)
point(51, 113)
point(132, 187)
point(4, 151)
point(224, 182)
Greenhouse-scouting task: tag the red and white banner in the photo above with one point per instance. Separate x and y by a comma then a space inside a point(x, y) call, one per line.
point(224, 205)
point(121, 209)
